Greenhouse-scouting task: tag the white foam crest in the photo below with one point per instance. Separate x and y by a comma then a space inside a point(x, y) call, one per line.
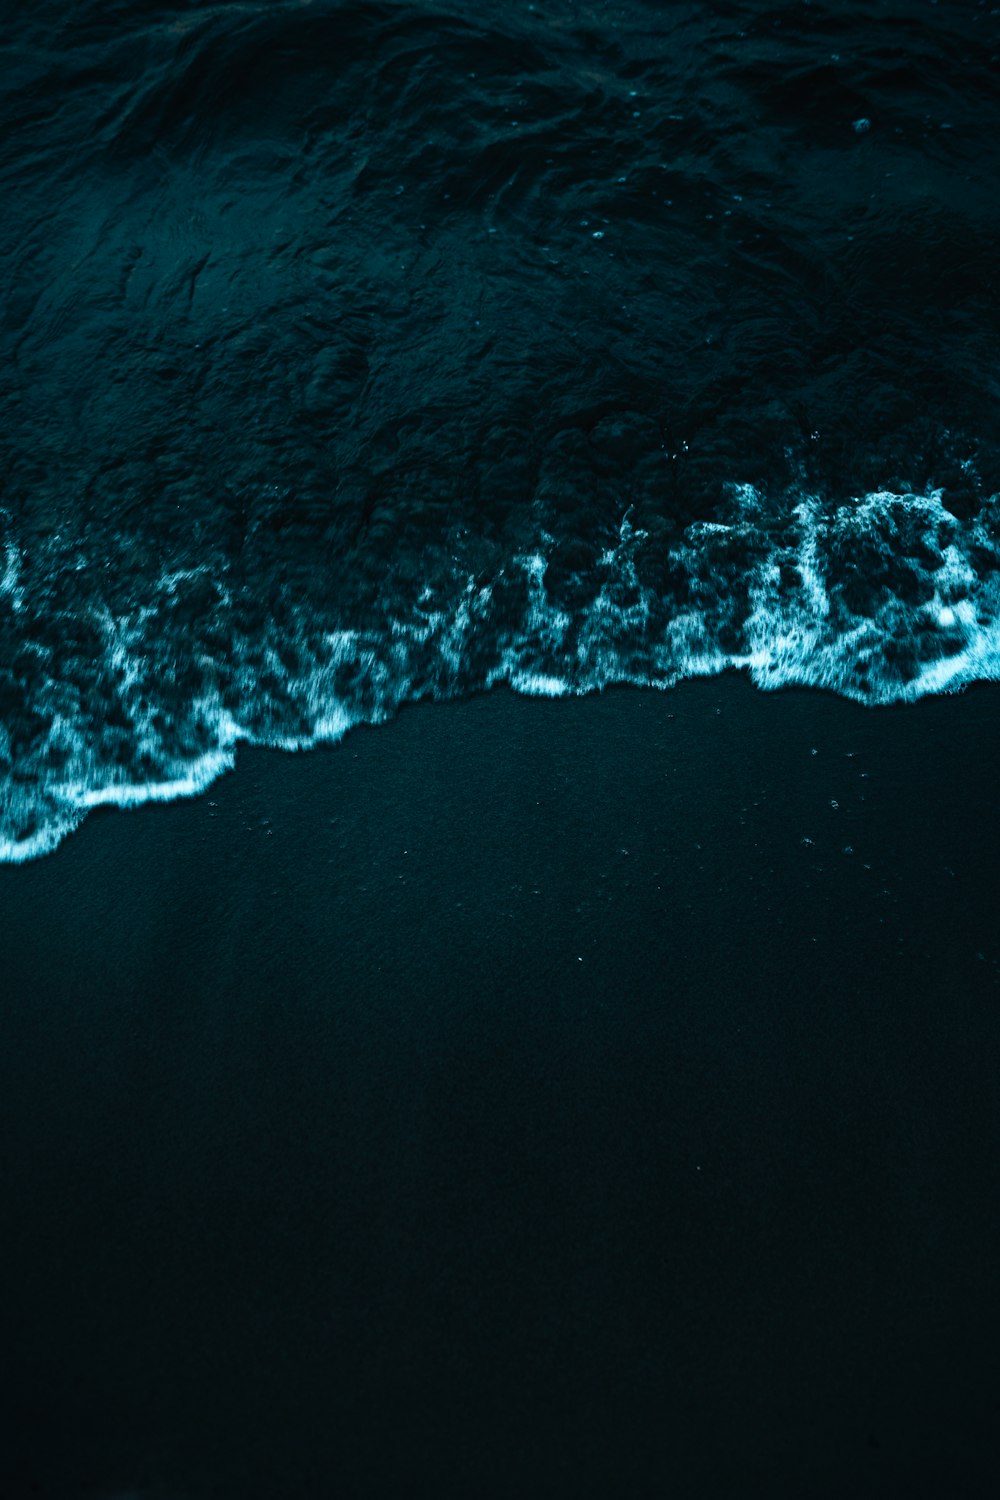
point(687, 651)
point(198, 776)
point(807, 513)
point(532, 684)
point(540, 635)
point(798, 642)
point(772, 605)
point(784, 637)
point(621, 611)
point(15, 851)
point(11, 574)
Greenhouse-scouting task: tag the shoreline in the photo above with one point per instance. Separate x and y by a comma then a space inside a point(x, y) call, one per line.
point(522, 1095)
point(224, 759)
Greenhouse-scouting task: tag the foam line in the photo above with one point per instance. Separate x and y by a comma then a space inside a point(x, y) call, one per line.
point(885, 600)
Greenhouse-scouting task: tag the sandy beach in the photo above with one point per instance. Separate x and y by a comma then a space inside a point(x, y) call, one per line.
point(575, 1097)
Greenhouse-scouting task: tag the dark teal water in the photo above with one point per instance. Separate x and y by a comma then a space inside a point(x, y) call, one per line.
point(357, 353)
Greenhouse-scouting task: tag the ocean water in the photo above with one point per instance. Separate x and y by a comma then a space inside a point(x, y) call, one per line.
point(360, 353)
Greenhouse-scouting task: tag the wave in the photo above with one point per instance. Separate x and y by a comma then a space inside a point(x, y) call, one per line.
point(884, 599)
point(358, 352)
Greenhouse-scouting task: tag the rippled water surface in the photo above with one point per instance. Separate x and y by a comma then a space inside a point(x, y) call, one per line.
point(359, 353)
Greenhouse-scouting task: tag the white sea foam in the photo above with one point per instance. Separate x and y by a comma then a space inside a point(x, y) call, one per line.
point(923, 617)
point(197, 777)
point(11, 574)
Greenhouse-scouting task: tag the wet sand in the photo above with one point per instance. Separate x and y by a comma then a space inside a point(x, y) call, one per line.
point(523, 1097)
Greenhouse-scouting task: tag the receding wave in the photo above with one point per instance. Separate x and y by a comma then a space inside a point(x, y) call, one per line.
point(883, 599)
point(354, 352)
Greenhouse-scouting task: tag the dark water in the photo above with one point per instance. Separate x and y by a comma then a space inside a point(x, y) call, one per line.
point(354, 353)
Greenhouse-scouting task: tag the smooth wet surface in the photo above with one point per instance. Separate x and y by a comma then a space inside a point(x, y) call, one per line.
point(520, 1098)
